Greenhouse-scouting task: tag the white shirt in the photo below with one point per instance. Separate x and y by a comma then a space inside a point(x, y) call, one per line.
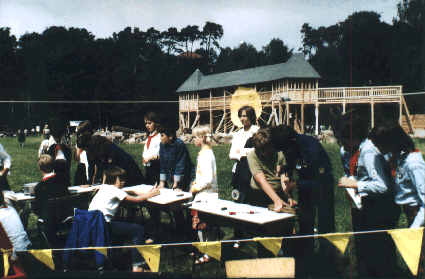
point(240, 137)
point(206, 172)
point(12, 224)
point(107, 200)
point(5, 159)
point(44, 146)
point(153, 150)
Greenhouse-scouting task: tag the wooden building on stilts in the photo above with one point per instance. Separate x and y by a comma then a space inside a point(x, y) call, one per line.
point(286, 91)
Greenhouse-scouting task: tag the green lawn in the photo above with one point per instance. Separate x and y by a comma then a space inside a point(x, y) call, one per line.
point(24, 170)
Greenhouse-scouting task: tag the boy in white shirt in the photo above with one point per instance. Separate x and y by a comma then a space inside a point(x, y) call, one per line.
point(109, 198)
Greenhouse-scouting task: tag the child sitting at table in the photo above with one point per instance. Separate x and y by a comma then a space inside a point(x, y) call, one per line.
point(205, 185)
point(108, 200)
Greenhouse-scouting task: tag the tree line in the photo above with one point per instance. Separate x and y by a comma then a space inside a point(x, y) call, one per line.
point(134, 64)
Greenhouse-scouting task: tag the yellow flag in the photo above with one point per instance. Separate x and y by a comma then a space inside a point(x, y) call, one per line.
point(6, 263)
point(44, 256)
point(339, 240)
point(409, 244)
point(151, 253)
point(211, 248)
point(273, 244)
point(103, 251)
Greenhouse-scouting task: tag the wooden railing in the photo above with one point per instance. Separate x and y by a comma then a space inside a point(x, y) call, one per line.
point(330, 95)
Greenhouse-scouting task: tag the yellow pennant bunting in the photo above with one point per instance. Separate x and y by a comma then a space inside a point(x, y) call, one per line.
point(339, 240)
point(6, 262)
point(273, 244)
point(211, 248)
point(103, 251)
point(44, 256)
point(151, 254)
point(409, 243)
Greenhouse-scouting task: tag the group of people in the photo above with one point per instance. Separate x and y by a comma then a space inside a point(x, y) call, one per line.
point(273, 167)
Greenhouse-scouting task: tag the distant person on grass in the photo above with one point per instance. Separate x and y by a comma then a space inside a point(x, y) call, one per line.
point(21, 138)
point(109, 198)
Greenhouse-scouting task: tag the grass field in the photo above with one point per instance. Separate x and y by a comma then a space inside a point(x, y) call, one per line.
point(24, 170)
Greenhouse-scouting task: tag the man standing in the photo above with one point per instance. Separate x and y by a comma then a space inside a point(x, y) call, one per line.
point(306, 156)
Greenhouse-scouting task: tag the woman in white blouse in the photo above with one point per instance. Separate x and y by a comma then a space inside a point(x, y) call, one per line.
point(238, 151)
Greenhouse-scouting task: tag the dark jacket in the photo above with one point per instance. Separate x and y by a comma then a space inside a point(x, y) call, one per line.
point(175, 163)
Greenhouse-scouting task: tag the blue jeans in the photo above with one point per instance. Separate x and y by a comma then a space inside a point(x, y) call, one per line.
point(129, 231)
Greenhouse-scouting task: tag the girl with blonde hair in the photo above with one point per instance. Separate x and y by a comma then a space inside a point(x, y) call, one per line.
point(205, 185)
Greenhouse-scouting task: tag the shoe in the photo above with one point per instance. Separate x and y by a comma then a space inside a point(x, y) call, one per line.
point(202, 260)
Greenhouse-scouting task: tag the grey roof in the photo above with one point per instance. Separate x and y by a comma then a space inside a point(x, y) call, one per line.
point(295, 67)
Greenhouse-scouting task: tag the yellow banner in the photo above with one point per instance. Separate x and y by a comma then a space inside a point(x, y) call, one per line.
point(103, 251)
point(44, 256)
point(409, 244)
point(212, 249)
point(6, 263)
point(339, 240)
point(273, 244)
point(151, 254)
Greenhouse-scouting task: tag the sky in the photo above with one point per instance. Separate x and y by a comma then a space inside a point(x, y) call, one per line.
point(251, 21)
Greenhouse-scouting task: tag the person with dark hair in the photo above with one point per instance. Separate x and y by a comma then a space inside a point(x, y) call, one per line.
point(84, 172)
point(5, 164)
point(105, 154)
point(408, 170)
point(371, 178)
point(60, 152)
point(150, 157)
point(315, 185)
point(176, 172)
point(176, 168)
point(240, 173)
point(108, 200)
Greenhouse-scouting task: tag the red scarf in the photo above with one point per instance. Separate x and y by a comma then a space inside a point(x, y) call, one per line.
point(353, 163)
point(48, 177)
point(149, 140)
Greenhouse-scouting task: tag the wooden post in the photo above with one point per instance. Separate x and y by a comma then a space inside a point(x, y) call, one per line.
point(280, 113)
point(302, 118)
point(316, 114)
point(372, 114)
point(287, 113)
point(224, 112)
point(343, 107)
point(211, 114)
point(400, 118)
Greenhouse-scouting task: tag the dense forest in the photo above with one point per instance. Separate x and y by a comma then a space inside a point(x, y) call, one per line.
point(70, 64)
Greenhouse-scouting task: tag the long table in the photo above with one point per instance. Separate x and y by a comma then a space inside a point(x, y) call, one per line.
point(166, 196)
point(239, 212)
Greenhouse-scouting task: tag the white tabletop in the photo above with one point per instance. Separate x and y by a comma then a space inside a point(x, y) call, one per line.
point(239, 211)
point(166, 196)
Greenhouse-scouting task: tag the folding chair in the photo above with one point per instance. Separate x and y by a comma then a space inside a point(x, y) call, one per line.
point(55, 219)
